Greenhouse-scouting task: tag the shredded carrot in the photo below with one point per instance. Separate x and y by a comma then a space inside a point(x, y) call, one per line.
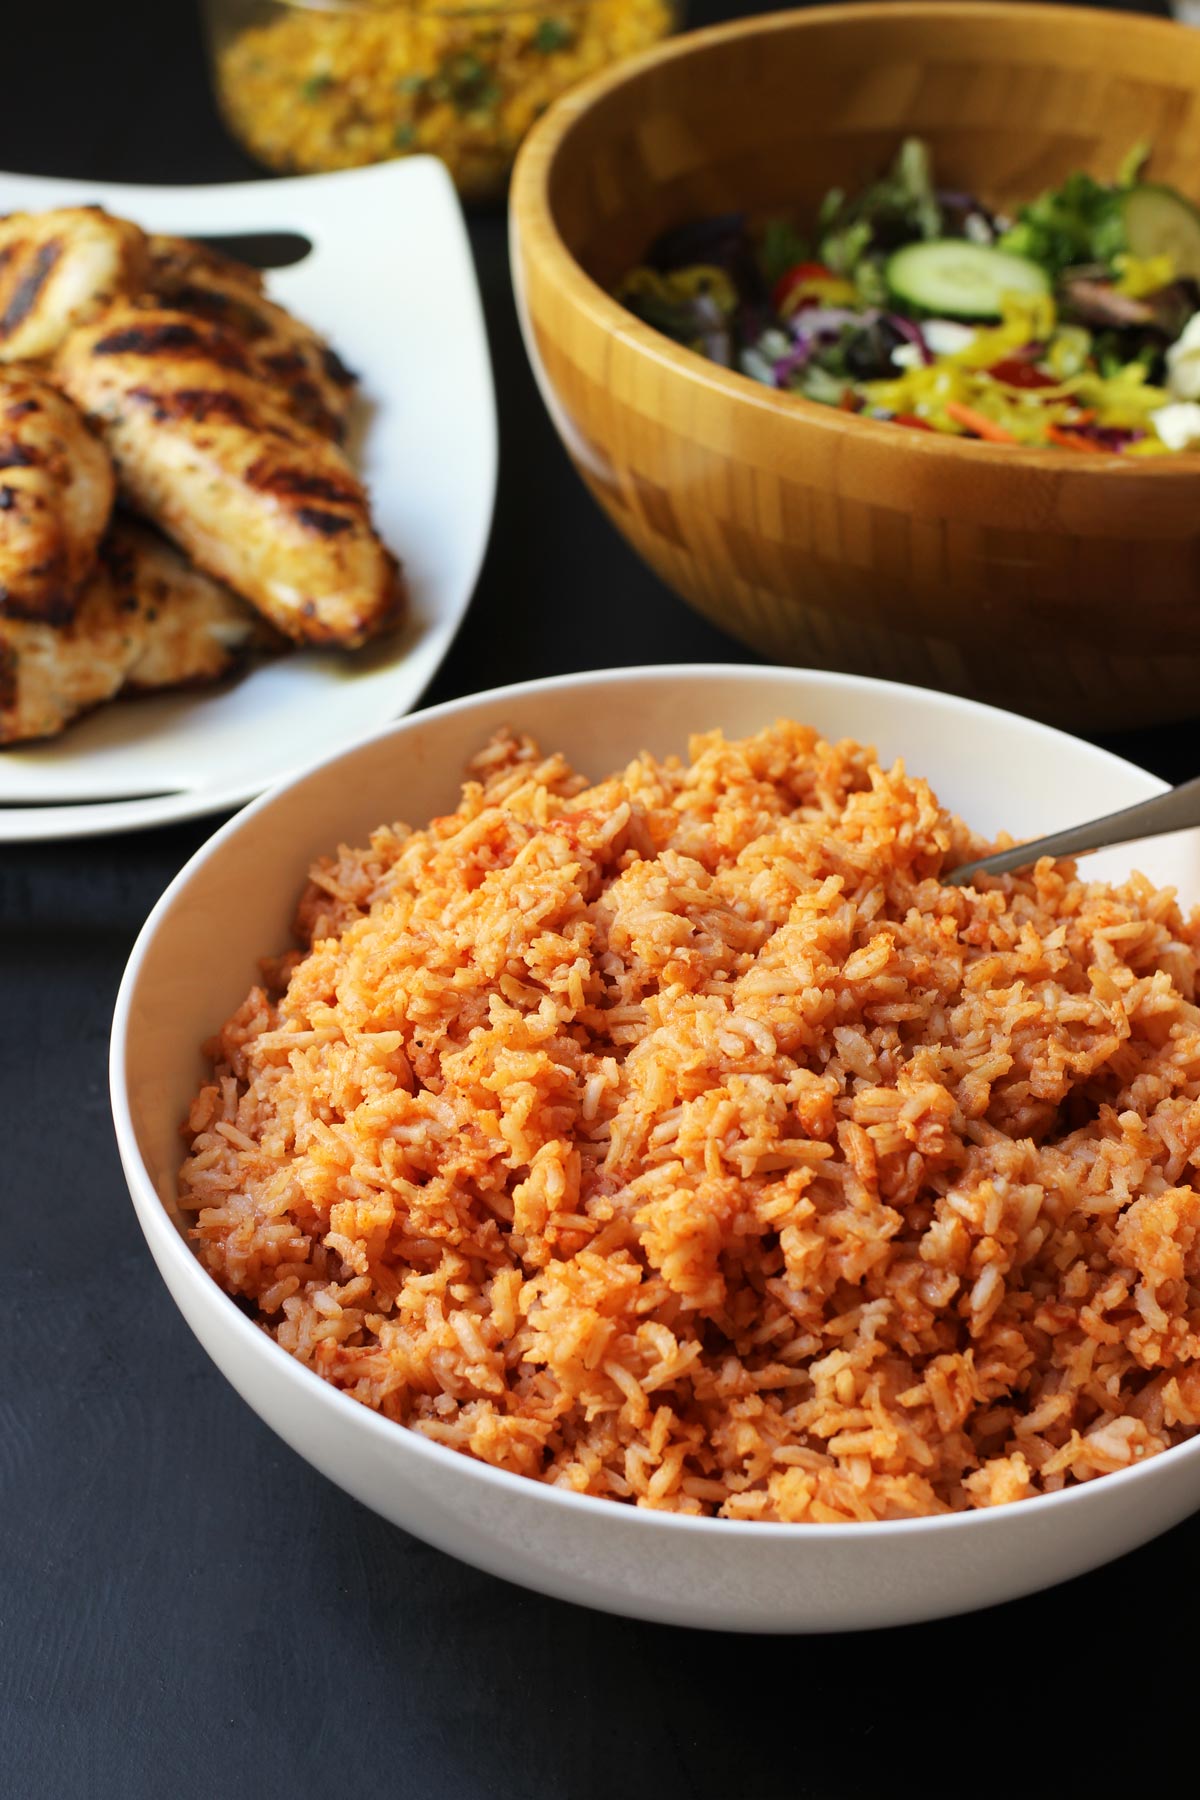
point(977, 422)
point(1072, 440)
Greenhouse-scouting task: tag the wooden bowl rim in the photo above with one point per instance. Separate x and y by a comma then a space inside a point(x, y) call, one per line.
point(531, 220)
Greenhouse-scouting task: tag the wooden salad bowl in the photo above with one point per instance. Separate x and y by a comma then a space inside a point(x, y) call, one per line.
point(1061, 584)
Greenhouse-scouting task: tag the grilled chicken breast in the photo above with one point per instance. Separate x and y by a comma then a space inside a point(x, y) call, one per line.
point(177, 261)
point(309, 378)
point(56, 495)
point(59, 269)
point(146, 619)
point(205, 450)
point(187, 627)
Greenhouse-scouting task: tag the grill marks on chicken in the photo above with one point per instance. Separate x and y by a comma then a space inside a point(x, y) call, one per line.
point(206, 449)
point(307, 375)
point(56, 495)
point(146, 620)
point(60, 269)
point(188, 628)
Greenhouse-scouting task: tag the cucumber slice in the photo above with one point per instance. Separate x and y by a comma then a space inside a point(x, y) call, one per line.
point(954, 279)
point(1160, 222)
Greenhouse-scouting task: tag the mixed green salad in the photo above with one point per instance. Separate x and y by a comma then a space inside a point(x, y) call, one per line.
point(1075, 324)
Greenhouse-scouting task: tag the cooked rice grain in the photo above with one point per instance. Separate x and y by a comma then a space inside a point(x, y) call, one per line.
point(683, 1140)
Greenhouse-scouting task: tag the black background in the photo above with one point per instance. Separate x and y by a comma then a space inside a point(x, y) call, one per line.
point(186, 1609)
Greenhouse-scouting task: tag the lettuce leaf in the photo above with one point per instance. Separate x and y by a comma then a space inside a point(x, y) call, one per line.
point(781, 249)
point(1077, 224)
point(898, 209)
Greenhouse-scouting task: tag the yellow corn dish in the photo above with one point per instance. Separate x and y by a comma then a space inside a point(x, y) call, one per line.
point(311, 90)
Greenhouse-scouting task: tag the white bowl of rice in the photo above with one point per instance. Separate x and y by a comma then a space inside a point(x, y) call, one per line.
point(640, 1176)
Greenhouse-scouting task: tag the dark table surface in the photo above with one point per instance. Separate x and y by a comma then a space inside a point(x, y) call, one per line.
point(186, 1608)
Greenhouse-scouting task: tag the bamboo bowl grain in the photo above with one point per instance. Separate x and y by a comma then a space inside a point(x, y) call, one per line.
point(1065, 586)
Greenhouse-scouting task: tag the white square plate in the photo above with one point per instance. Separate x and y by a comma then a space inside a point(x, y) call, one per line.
point(390, 282)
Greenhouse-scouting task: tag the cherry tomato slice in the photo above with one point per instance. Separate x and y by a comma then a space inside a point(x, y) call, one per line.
point(1019, 374)
point(793, 277)
point(911, 420)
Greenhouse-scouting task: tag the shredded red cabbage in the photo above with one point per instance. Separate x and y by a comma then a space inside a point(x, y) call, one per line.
point(813, 326)
point(914, 335)
point(825, 321)
point(1108, 437)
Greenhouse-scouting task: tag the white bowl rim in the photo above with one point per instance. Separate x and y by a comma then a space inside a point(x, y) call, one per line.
point(166, 1241)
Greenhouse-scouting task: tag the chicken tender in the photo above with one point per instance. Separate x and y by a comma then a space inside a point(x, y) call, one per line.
point(56, 495)
point(146, 619)
point(205, 450)
point(189, 628)
point(307, 376)
point(58, 269)
point(176, 261)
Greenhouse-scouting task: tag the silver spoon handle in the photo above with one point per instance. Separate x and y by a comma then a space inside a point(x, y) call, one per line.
point(1176, 810)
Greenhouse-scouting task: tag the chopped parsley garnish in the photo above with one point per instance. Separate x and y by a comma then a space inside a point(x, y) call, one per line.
point(552, 35)
point(467, 82)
